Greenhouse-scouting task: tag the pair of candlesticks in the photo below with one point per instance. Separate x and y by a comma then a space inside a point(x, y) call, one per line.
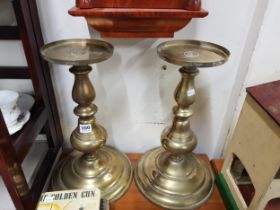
point(170, 176)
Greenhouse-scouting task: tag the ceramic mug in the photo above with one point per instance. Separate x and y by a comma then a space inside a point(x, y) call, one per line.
point(9, 107)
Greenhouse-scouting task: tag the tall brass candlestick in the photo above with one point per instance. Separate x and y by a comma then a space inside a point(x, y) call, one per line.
point(172, 176)
point(96, 165)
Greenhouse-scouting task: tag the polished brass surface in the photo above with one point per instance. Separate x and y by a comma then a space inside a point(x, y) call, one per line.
point(109, 170)
point(91, 164)
point(172, 176)
point(77, 51)
point(193, 53)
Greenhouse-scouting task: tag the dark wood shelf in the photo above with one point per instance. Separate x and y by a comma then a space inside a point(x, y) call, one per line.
point(43, 173)
point(44, 115)
point(14, 72)
point(23, 140)
point(9, 33)
point(268, 97)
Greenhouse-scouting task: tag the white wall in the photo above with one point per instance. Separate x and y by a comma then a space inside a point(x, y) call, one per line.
point(134, 94)
point(265, 63)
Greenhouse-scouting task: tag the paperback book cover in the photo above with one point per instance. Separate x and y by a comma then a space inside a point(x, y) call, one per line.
point(86, 199)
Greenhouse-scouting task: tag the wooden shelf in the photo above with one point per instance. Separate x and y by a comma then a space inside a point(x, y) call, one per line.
point(151, 4)
point(43, 173)
point(23, 140)
point(14, 72)
point(44, 114)
point(9, 33)
point(268, 97)
point(31, 165)
point(132, 19)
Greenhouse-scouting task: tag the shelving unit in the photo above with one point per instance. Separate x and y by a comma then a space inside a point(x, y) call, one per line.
point(44, 115)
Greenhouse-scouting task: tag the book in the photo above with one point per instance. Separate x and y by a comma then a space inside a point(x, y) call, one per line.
point(104, 205)
point(82, 199)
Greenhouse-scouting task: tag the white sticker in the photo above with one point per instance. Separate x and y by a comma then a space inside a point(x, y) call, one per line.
point(85, 128)
point(191, 92)
point(48, 199)
point(191, 54)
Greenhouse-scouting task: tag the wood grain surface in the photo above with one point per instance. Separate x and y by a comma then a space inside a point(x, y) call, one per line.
point(268, 97)
point(147, 4)
point(134, 200)
point(138, 18)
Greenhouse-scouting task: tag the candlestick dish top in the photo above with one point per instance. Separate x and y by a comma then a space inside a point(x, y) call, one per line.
point(193, 53)
point(172, 176)
point(77, 51)
point(95, 165)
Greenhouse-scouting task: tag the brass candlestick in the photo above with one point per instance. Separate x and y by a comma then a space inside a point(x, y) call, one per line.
point(172, 176)
point(96, 165)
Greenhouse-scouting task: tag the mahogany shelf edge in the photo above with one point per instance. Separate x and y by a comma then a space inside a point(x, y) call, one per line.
point(138, 13)
point(14, 72)
point(137, 22)
point(159, 4)
point(9, 33)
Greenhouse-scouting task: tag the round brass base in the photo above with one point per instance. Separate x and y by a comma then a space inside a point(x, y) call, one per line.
point(171, 182)
point(109, 170)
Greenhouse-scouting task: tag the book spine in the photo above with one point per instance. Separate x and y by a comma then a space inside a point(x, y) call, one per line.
point(104, 204)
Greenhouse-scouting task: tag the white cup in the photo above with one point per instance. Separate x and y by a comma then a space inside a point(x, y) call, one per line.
point(9, 107)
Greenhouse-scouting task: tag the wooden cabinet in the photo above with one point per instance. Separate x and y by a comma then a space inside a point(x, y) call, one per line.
point(44, 115)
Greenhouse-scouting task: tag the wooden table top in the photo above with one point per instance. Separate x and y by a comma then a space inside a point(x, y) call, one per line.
point(134, 200)
point(268, 97)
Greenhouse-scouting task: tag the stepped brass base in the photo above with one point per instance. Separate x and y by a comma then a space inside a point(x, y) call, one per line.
point(110, 171)
point(183, 182)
